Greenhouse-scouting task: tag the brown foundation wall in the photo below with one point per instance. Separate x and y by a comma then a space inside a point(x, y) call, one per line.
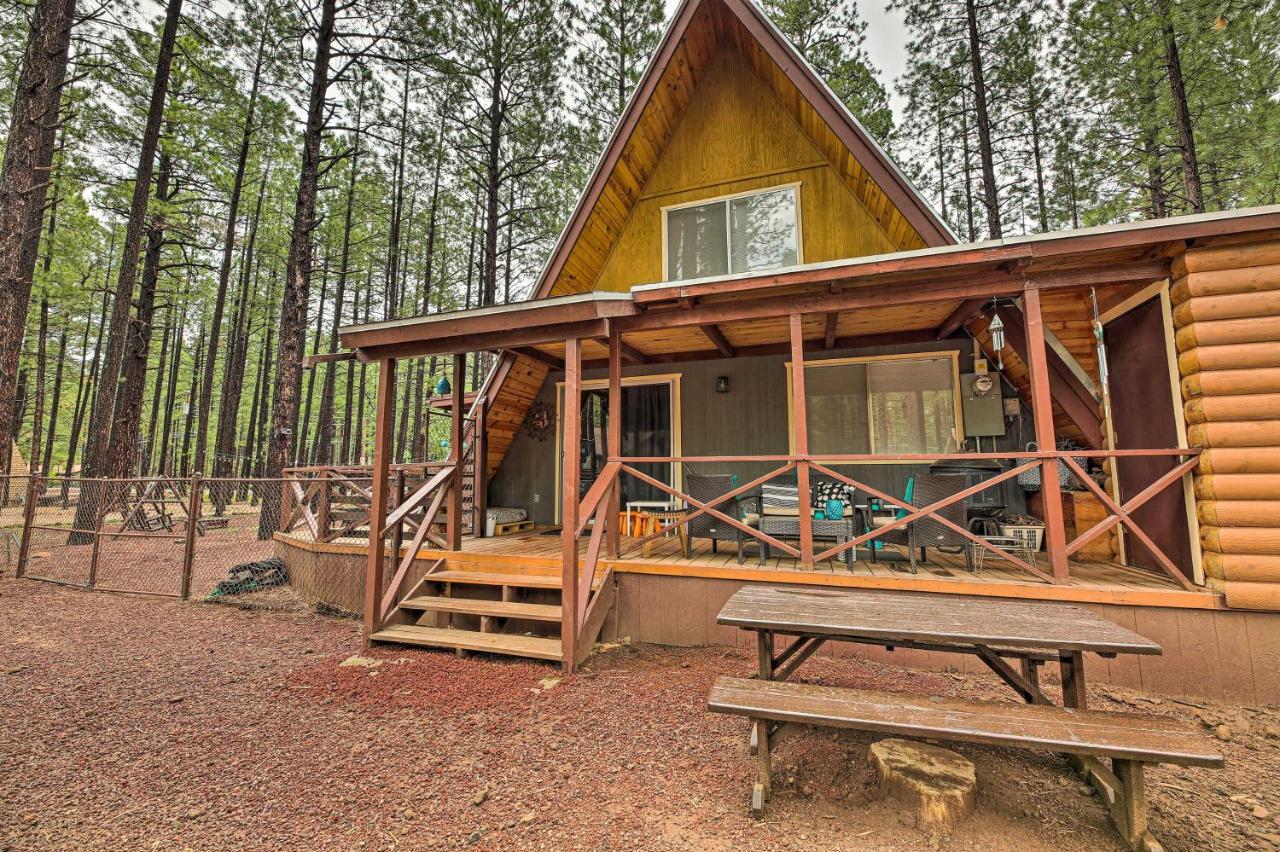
point(1217, 654)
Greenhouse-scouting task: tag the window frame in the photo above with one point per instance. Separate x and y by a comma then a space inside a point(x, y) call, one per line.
point(728, 226)
point(956, 401)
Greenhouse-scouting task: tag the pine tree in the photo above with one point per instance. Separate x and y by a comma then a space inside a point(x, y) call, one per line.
point(830, 34)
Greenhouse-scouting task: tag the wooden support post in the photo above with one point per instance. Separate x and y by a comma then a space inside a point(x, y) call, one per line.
point(453, 522)
point(614, 441)
point(800, 439)
point(1071, 664)
point(397, 534)
point(571, 470)
point(1042, 412)
point(1129, 811)
point(34, 490)
point(480, 470)
point(382, 434)
point(193, 528)
point(324, 516)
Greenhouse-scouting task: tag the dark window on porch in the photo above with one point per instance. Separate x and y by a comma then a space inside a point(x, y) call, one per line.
point(646, 431)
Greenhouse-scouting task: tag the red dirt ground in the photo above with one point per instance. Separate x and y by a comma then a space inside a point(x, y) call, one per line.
point(131, 722)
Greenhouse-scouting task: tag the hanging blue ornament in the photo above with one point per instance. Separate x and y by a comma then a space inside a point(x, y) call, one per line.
point(443, 388)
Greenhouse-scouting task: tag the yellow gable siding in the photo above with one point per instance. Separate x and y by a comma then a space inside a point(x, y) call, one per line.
point(736, 137)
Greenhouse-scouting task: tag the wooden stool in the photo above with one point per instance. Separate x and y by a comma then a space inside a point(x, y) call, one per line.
point(651, 522)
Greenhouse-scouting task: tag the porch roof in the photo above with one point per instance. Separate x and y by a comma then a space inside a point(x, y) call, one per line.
point(844, 302)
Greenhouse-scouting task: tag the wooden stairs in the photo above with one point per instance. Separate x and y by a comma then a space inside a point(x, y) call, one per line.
point(492, 611)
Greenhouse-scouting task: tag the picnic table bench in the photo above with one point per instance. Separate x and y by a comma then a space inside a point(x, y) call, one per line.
point(996, 631)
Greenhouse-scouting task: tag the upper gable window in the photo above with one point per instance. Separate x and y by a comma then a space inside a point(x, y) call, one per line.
point(747, 232)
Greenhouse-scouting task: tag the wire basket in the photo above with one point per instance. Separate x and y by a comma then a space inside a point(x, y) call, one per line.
point(1019, 547)
point(1028, 537)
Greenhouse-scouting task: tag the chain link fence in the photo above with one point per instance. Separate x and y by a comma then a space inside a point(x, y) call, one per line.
point(168, 536)
point(13, 502)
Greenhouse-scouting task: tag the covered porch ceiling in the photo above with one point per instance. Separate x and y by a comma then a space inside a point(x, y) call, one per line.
point(912, 295)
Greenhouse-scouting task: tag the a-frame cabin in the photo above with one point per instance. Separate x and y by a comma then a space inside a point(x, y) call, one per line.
point(757, 355)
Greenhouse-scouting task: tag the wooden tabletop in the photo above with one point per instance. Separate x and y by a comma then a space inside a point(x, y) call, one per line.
point(929, 618)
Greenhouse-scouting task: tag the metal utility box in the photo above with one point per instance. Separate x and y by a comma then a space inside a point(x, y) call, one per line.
point(983, 411)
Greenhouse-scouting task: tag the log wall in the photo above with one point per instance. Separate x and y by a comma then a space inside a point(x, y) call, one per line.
point(1226, 313)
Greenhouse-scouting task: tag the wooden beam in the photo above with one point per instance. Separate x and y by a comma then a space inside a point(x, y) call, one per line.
point(480, 469)
point(630, 353)
point(570, 469)
point(872, 294)
point(718, 340)
point(857, 342)
point(453, 523)
point(964, 312)
point(829, 335)
point(1042, 413)
point(489, 341)
point(382, 434)
point(800, 438)
point(538, 355)
point(1065, 387)
point(614, 439)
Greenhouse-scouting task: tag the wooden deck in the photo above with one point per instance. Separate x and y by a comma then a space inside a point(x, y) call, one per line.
point(538, 552)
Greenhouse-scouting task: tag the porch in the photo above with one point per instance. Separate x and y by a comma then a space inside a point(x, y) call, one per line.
point(803, 317)
point(539, 553)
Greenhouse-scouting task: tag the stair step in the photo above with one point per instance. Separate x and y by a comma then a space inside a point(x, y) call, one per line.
point(485, 578)
point(474, 606)
point(536, 647)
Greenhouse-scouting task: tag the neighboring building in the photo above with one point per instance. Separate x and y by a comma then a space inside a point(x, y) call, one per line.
point(750, 286)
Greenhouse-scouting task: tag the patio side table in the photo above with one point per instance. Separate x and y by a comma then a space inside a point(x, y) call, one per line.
point(788, 526)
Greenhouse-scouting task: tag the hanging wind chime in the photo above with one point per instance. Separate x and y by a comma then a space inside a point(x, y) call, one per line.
point(996, 329)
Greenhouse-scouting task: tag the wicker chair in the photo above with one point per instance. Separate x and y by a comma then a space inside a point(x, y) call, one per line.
point(706, 488)
point(927, 532)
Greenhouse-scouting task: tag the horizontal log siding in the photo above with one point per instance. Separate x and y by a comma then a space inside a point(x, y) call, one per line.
point(1226, 310)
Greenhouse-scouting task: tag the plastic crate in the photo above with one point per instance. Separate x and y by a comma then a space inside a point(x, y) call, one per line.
point(1027, 536)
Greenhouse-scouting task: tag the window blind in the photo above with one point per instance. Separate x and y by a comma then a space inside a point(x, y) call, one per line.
point(912, 406)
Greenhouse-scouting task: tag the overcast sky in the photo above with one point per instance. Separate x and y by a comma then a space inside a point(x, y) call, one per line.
point(886, 44)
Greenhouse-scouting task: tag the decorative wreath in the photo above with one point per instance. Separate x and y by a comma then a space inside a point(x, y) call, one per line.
point(540, 421)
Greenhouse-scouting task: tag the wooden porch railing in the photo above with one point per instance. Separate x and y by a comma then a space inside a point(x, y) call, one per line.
point(333, 502)
point(592, 508)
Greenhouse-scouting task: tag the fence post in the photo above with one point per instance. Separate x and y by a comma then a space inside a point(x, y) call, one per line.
point(99, 513)
point(194, 504)
point(28, 520)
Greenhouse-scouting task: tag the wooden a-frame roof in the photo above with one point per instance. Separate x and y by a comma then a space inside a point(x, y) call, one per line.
point(699, 29)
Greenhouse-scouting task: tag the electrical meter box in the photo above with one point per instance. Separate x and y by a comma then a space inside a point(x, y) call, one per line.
point(982, 405)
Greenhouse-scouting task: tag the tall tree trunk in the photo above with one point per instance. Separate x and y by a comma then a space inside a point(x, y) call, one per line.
point(325, 427)
point(157, 396)
point(101, 438)
point(224, 448)
point(397, 207)
point(1181, 112)
point(127, 421)
point(164, 463)
point(300, 449)
point(297, 286)
point(85, 392)
point(37, 415)
point(197, 363)
point(47, 462)
point(24, 183)
point(1037, 155)
point(228, 252)
point(982, 117)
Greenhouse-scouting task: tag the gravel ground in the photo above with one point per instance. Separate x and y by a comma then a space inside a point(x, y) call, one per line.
point(130, 722)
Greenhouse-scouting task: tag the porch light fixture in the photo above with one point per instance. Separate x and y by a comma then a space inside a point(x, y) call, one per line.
point(722, 384)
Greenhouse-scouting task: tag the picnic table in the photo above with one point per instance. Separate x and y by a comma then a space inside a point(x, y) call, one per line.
point(994, 630)
point(997, 631)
